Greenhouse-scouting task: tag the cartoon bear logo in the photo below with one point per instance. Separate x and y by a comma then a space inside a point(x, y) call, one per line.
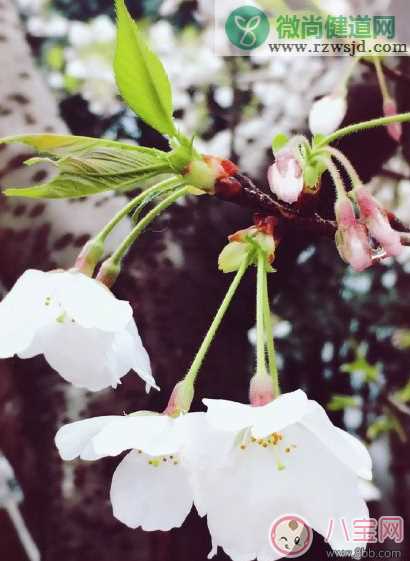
point(291, 536)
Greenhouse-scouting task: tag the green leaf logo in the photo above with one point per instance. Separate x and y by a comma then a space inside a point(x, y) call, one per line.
point(247, 27)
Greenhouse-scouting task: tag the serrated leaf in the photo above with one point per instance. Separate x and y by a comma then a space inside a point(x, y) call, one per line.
point(140, 75)
point(88, 166)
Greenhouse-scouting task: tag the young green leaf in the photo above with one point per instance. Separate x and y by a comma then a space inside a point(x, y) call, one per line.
point(279, 142)
point(89, 165)
point(140, 75)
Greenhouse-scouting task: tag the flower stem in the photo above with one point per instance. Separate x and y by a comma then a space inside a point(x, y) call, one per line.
point(381, 79)
point(338, 155)
point(123, 248)
point(335, 174)
point(357, 127)
point(162, 186)
point(270, 344)
point(260, 312)
point(192, 373)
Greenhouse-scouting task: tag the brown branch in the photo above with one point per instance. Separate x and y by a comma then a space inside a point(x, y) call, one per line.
point(241, 190)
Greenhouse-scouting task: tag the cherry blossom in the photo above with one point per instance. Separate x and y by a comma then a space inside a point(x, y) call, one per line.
point(287, 457)
point(150, 487)
point(88, 336)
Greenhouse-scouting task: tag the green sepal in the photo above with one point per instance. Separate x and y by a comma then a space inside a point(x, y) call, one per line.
point(279, 142)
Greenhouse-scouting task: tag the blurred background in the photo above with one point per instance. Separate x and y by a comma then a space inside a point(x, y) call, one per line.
point(342, 336)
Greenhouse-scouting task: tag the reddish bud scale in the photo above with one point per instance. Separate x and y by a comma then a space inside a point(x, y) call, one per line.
point(266, 224)
point(228, 188)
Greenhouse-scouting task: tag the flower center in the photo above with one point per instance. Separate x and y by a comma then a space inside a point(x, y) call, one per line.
point(275, 443)
point(158, 461)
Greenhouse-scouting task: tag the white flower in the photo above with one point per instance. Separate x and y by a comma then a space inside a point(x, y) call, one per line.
point(86, 334)
point(327, 114)
point(287, 458)
point(150, 487)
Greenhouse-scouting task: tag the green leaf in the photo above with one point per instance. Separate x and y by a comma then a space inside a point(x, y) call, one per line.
point(370, 372)
point(88, 166)
point(341, 402)
point(279, 142)
point(403, 395)
point(140, 75)
point(384, 424)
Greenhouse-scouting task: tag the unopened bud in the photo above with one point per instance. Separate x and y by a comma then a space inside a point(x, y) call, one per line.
point(261, 390)
point(180, 400)
point(89, 256)
point(285, 177)
point(377, 222)
point(395, 130)
point(232, 256)
point(352, 238)
point(203, 174)
point(327, 114)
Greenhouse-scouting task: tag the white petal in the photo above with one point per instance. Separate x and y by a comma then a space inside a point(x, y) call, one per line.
point(155, 498)
point(287, 409)
point(229, 415)
point(89, 302)
point(204, 446)
point(130, 343)
point(91, 358)
point(156, 435)
point(273, 417)
point(244, 499)
point(74, 440)
point(325, 490)
point(327, 114)
point(23, 311)
point(345, 447)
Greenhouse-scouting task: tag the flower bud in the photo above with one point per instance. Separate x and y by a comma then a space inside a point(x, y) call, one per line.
point(395, 130)
point(260, 390)
point(352, 239)
point(377, 222)
point(327, 114)
point(89, 256)
point(203, 174)
point(232, 256)
point(285, 177)
point(241, 244)
point(180, 400)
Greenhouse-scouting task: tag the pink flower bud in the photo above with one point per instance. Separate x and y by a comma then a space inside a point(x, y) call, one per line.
point(395, 130)
point(260, 390)
point(352, 239)
point(285, 177)
point(375, 218)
